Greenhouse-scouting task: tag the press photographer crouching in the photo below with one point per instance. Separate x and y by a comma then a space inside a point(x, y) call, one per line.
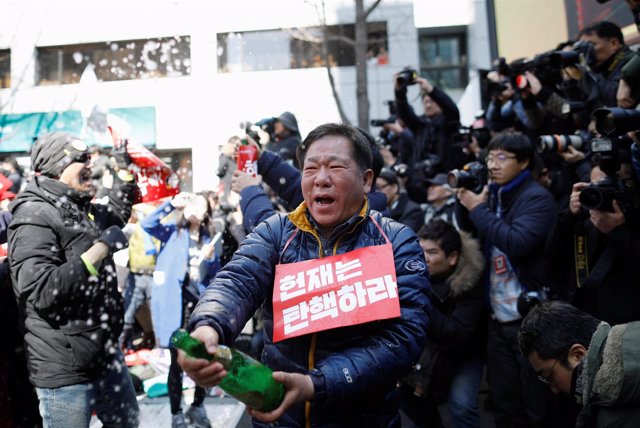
point(595, 241)
point(450, 367)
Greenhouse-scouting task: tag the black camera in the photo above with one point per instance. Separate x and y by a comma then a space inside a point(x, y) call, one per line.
point(267, 124)
point(393, 116)
point(581, 51)
point(430, 166)
point(600, 196)
point(248, 129)
point(527, 300)
point(559, 143)
point(406, 77)
point(472, 176)
point(616, 121)
point(496, 88)
point(382, 122)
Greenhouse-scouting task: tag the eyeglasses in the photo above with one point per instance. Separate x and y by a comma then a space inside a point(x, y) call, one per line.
point(548, 379)
point(383, 186)
point(499, 158)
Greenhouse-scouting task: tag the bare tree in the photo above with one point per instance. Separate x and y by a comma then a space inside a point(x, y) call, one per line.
point(360, 45)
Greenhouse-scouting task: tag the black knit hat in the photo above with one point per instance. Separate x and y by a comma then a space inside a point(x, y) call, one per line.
point(54, 151)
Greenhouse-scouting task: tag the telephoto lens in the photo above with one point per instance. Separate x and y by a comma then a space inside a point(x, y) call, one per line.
point(559, 143)
point(616, 121)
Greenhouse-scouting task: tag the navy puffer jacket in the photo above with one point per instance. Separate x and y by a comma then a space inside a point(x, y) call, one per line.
point(358, 366)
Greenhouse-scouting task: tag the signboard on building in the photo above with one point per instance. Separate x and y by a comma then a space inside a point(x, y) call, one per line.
point(19, 131)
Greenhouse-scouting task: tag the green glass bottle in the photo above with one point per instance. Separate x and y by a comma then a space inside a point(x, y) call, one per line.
point(247, 379)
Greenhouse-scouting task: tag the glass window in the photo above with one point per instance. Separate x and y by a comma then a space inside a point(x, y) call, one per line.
point(443, 57)
point(296, 48)
point(5, 68)
point(120, 60)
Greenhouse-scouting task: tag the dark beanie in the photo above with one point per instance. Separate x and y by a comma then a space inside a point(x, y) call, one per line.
point(54, 151)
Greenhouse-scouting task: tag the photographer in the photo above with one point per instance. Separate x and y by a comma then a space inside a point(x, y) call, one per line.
point(512, 216)
point(599, 80)
point(505, 110)
point(596, 251)
point(287, 138)
point(450, 367)
point(434, 128)
point(401, 142)
point(401, 208)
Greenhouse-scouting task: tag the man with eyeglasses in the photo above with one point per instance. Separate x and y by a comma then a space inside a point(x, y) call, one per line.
point(64, 279)
point(512, 216)
point(587, 359)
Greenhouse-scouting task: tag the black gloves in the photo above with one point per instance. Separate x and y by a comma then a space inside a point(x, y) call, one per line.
point(121, 156)
point(114, 238)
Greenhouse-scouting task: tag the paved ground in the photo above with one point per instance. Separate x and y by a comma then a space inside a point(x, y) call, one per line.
point(223, 412)
point(226, 412)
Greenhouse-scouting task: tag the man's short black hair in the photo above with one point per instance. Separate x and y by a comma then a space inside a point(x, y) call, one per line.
point(550, 329)
point(604, 30)
point(360, 149)
point(516, 143)
point(443, 233)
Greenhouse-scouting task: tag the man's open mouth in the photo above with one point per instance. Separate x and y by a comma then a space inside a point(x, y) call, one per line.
point(324, 201)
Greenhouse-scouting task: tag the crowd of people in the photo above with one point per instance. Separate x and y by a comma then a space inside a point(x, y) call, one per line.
point(441, 252)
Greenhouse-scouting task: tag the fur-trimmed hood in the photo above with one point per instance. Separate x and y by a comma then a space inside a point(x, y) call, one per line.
point(470, 265)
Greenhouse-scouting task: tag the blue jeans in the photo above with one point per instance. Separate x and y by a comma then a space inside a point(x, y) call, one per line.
point(463, 397)
point(111, 395)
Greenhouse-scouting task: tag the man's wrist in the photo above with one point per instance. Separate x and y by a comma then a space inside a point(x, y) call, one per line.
point(319, 385)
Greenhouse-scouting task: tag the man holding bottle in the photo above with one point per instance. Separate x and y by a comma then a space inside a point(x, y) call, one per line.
point(333, 376)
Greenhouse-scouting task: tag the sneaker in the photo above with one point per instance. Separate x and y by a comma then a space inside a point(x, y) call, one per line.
point(198, 417)
point(178, 421)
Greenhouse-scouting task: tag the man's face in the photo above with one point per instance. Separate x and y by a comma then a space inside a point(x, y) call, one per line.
point(603, 48)
point(431, 108)
point(278, 128)
point(439, 263)
point(437, 193)
point(557, 374)
point(78, 176)
point(332, 184)
point(504, 167)
point(389, 189)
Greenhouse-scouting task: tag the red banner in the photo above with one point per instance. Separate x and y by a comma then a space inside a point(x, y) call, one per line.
point(337, 291)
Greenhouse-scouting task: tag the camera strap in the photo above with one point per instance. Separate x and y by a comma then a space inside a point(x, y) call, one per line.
point(584, 278)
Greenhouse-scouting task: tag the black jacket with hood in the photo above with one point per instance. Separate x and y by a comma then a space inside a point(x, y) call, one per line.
point(71, 319)
point(456, 332)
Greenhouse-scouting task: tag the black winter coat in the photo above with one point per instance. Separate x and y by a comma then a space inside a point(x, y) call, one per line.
point(71, 319)
point(615, 298)
point(407, 212)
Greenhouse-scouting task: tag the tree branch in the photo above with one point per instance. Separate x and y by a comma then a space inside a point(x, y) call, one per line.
point(371, 8)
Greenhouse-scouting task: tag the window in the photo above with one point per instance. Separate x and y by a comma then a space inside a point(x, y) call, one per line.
point(5, 68)
point(443, 56)
point(296, 48)
point(121, 60)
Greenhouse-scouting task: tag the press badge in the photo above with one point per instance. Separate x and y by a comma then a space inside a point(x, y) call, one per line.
point(500, 264)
